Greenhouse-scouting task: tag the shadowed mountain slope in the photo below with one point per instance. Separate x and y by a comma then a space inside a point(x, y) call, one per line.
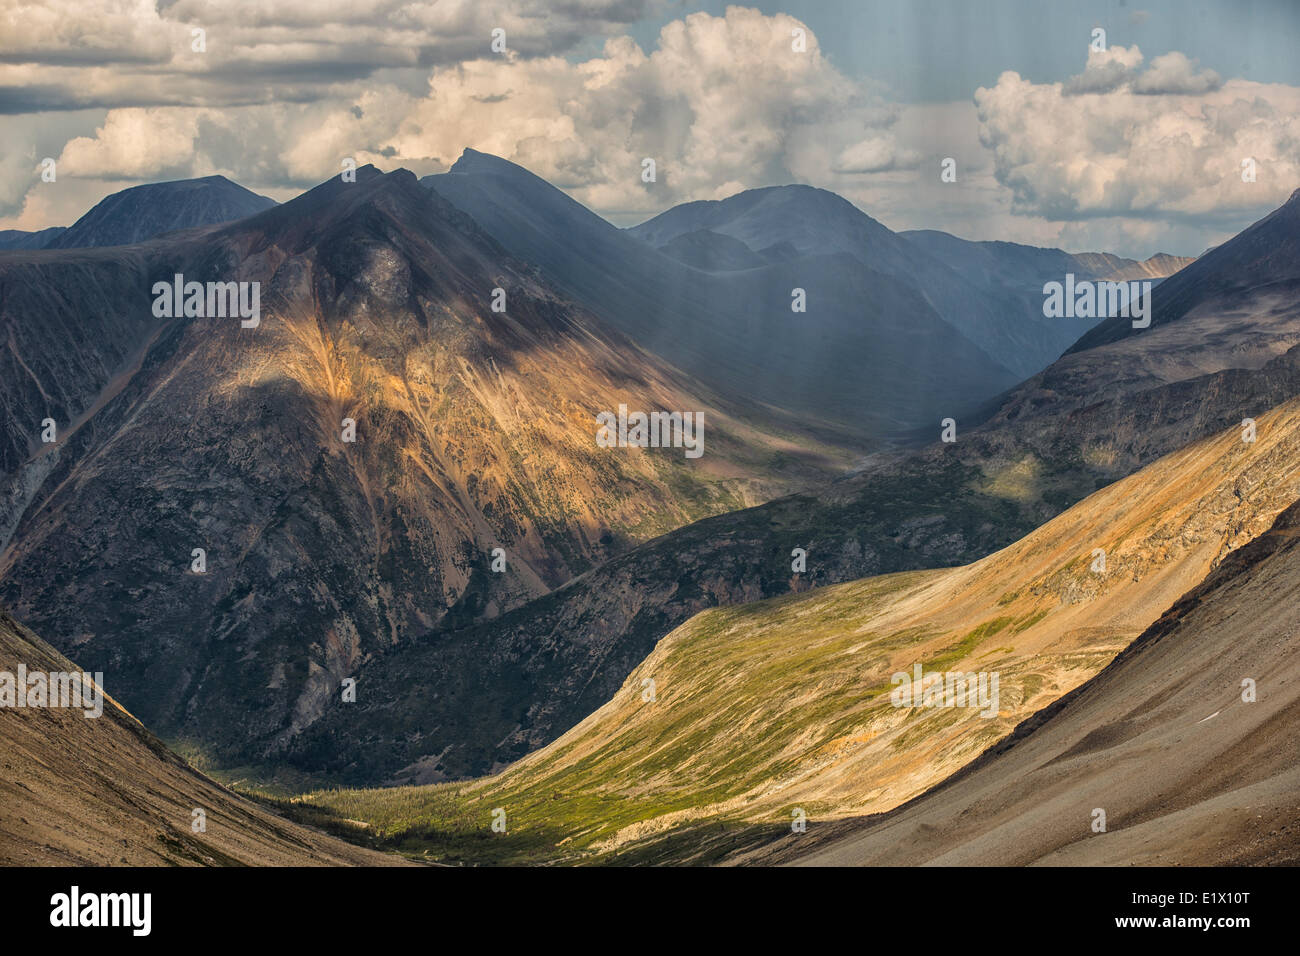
point(993, 297)
point(18, 239)
point(1257, 271)
point(142, 212)
point(870, 352)
point(1023, 269)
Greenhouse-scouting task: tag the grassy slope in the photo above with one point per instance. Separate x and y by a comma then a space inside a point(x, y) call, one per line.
point(1188, 772)
point(764, 707)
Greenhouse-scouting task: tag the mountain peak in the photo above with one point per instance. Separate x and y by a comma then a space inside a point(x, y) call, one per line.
point(302, 220)
point(474, 161)
point(143, 212)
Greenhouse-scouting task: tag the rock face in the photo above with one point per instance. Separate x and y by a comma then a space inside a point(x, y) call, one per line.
point(1089, 419)
point(474, 430)
point(103, 791)
point(142, 212)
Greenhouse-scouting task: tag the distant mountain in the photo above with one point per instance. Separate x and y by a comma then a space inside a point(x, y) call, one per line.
point(814, 221)
point(1115, 268)
point(17, 239)
point(475, 430)
point(104, 791)
point(869, 352)
point(1019, 268)
point(143, 212)
point(714, 252)
point(1003, 317)
point(1239, 276)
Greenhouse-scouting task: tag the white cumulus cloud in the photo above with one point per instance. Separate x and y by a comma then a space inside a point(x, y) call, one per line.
point(1165, 143)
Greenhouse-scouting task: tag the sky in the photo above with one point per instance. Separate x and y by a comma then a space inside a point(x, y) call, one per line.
point(1132, 141)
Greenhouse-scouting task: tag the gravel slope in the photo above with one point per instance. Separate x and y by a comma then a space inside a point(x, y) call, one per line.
point(104, 791)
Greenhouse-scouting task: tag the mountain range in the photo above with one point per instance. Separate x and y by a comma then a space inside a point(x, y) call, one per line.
point(500, 586)
point(888, 341)
point(991, 292)
point(474, 433)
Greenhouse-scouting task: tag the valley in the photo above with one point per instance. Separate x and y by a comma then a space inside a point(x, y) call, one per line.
point(784, 706)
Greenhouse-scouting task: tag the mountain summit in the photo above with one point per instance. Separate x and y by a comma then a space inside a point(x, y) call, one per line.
point(142, 212)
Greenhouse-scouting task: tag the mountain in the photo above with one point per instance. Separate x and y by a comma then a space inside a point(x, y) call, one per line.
point(1010, 267)
point(1116, 269)
point(870, 352)
point(813, 221)
point(1004, 317)
point(17, 239)
point(142, 212)
point(1163, 740)
point(764, 708)
point(475, 430)
point(1257, 272)
point(103, 791)
point(329, 561)
point(714, 252)
point(1090, 419)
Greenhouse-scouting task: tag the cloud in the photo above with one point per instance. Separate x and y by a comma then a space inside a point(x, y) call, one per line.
point(73, 32)
point(1116, 67)
point(140, 53)
point(1175, 73)
point(876, 155)
point(1106, 70)
point(721, 100)
point(134, 144)
point(1138, 145)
